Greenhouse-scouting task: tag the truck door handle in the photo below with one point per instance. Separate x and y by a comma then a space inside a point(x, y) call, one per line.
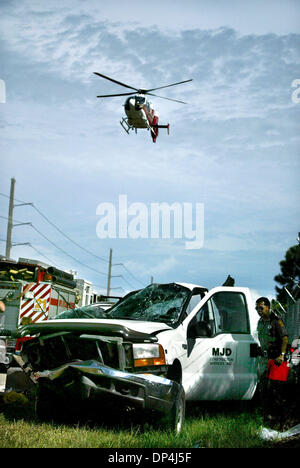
point(184, 346)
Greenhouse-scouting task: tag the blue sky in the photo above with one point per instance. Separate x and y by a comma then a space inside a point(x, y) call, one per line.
point(234, 147)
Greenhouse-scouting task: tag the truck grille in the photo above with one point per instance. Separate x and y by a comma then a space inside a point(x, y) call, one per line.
point(50, 353)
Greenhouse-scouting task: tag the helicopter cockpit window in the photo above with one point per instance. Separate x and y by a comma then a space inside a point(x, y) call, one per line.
point(126, 105)
point(139, 102)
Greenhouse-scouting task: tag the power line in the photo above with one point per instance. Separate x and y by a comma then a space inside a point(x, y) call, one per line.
point(43, 255)
point(34, 248)
point(126, 281)
point(74, 242)
point(57, 228)
point(65, 235)
point(66, 253)
point(128, 271)
point(59, 248)
point(78, 245)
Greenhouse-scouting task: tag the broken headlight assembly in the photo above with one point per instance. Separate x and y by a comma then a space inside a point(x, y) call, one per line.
point(147, 355)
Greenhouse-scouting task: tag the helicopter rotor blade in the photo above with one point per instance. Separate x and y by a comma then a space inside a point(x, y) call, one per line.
point(115, 81)
point(112, 95)
point(168, 99)
point(174, 84)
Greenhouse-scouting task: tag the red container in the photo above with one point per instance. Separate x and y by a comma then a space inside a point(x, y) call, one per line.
point(278, 372)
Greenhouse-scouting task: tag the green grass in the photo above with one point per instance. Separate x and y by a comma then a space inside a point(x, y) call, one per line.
point(233, 425)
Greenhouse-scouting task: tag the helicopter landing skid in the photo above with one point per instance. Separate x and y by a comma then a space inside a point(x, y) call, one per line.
point(124, 123)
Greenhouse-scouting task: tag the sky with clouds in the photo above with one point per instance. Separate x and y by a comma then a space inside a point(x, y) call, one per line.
point(233, 148)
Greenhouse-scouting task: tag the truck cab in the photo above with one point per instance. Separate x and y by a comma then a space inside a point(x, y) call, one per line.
point(211, 349)
point(207, 336)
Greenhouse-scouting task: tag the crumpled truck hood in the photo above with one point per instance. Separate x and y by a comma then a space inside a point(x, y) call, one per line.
point(136, 331)
point(140, 325)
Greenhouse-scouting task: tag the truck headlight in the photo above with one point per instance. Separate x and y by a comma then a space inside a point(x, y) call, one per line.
point(148, 355)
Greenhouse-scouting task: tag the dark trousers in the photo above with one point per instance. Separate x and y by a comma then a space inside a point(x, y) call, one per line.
point(275, 401)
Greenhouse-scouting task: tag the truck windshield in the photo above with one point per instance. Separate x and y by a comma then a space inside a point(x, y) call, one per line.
point(157, 302)
point(89, 311)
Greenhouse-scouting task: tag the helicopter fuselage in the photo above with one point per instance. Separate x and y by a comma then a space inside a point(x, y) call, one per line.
point(141, 114)
point(139, 111)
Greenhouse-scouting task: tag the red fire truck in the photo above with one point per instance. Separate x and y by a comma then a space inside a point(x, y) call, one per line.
point(32, 291)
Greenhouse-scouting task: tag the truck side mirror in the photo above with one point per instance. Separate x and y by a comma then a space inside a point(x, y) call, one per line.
point(255, 350)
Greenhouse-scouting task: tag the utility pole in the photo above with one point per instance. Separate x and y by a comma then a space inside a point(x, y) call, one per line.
point(10, 218)
point(109, 272)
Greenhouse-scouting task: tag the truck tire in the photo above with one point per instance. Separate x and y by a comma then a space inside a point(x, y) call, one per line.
point(174, 420)
point(178, 412)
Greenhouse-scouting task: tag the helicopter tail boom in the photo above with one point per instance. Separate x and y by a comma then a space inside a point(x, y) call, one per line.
point(162, 126)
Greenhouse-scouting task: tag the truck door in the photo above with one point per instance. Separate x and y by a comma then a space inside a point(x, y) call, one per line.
point(232, 319)
point(217, 364)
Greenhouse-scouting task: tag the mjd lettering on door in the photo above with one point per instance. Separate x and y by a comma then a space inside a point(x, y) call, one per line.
point(221, 351)
point(221, 357)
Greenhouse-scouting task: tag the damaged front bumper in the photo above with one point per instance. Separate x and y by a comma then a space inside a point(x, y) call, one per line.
point(92, 381)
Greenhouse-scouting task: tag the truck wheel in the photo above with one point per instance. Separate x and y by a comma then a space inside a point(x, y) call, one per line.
point(175, 418)
point(178, 412)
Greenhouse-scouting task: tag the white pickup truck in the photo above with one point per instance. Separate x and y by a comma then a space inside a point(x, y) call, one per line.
point(156, 348)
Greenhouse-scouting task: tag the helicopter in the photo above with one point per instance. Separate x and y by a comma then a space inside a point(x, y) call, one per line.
point(139, 110)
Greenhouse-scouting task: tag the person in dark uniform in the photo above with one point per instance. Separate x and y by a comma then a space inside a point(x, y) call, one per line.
point(273, 369)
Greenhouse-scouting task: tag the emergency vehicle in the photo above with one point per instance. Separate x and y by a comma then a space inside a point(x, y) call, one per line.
point(32, 291)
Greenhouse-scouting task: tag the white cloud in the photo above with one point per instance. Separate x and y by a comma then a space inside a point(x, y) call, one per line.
point(163, 267)
point(269, 16)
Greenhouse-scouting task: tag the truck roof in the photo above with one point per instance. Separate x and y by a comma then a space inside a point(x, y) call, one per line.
point(191, 286)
